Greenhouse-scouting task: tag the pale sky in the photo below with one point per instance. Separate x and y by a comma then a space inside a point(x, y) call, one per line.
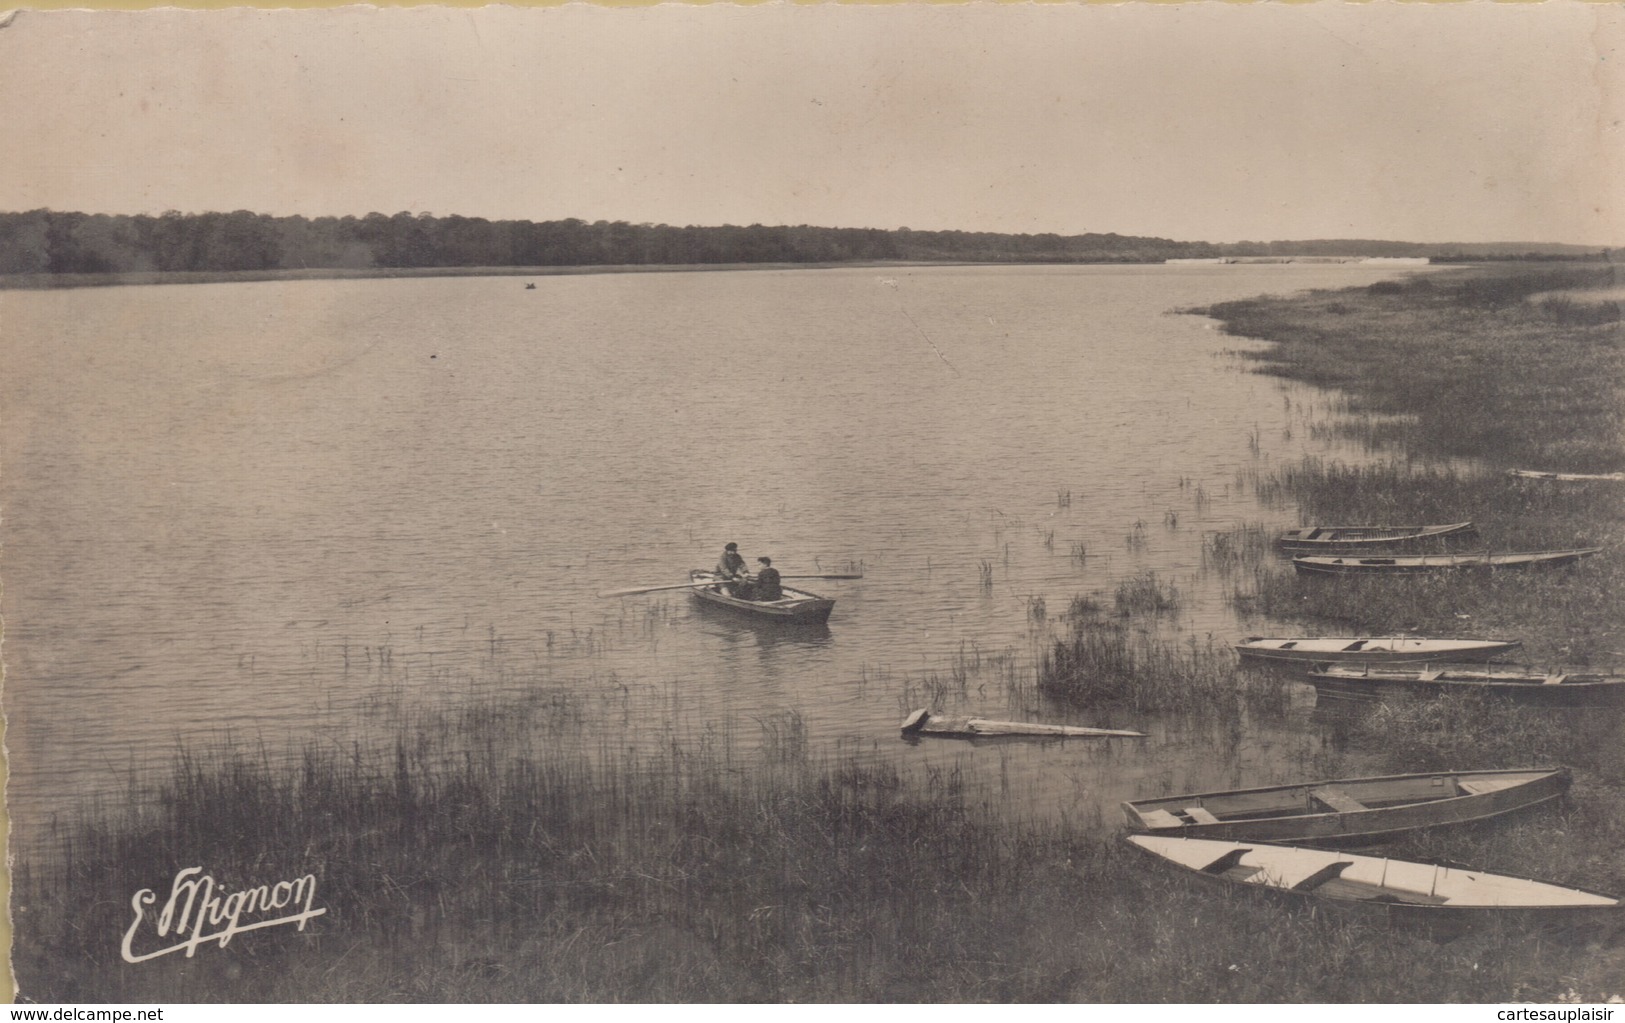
point(1219, 122)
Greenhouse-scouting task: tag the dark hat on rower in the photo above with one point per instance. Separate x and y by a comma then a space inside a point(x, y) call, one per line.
point(731, 547)
point(765, 561)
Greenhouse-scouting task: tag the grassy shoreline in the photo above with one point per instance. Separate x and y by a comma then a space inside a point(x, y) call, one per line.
point(1506, 366)
point(532, 872)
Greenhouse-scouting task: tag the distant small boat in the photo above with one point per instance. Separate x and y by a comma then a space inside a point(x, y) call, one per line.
point(923, 722)
point(1566, 689)
point(1354, 538)
point(794, 606)
point(1373, 650)
point(1441, 898)
point(1400, 564)
point(1348, 810)
point(530, 287)
point(1565, 477)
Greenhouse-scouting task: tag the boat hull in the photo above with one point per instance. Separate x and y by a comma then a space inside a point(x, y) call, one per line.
point(1566, 477)
point(1401, 564)
point(1320, 539)
point(1378, 650)
point(1348, 811)
point(1568, 690)
point(1444, 901)
point(922, 722)
point(798, 606)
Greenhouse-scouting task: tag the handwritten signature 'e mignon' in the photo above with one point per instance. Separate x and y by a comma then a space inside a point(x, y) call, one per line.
point(178, 916)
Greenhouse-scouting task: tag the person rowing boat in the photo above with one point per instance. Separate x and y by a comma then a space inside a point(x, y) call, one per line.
point(731, 566)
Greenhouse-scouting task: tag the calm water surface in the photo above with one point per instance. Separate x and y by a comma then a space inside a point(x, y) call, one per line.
point(274, 514)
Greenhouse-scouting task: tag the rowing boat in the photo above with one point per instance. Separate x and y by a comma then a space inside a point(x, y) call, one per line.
point(923, 722)
point(1357, 538)
point(1372, 650)
point(795, 605)
point(1400, 564)
point(1562, 689)
point(1347, 811)
point(1565, 477)
point(1441, 898)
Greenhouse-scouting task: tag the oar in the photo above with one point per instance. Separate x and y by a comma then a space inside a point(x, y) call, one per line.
point(633, 590)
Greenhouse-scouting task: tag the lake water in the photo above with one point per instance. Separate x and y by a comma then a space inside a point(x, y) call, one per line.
point(274, 514)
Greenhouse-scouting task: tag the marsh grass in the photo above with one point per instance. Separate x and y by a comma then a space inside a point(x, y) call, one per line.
point(465, 863)
point(1515, 382)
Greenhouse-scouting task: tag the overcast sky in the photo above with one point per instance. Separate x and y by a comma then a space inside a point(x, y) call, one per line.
point(1221, 122)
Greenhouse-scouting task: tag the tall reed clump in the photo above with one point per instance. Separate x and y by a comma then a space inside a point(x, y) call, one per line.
point(463, 866)
point(1102, 661)
point(1146, 594)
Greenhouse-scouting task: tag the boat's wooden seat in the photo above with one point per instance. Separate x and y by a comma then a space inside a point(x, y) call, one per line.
point(1321, 876)
point(1338, 800)
point(1231, 858)
point(1553, 680)
point(1160, 819)
point(1200, 815)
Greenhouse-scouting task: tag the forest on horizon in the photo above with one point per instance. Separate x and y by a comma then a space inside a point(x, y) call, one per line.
point(50, 242)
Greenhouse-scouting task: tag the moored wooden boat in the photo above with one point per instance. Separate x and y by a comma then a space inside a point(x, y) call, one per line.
point(795, 606)
point(924, 722)
point(1565, 477)
point(1401, 564)
point(1441, 898)
point(1347, 811)
point(1560, 689)
point(1356, 538)
point(1372, 649)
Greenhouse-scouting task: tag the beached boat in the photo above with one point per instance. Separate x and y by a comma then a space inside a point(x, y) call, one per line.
point(794, 606)
point(1562, 689)
point(1565, 477)
point(1439, 898)
point(1347, 811)
point(1372, 650)
point(924, 722)
point(1357, 538)
point(1401, 564)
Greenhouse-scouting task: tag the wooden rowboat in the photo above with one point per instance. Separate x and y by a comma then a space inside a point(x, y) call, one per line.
point(1372, 650)
point(923, 722)
point(1401, 564)
point(797, 606)
point(1357, 538)
point(1348, 811)
point(1565, 477)
point(1565, 689)
point(1440, 898)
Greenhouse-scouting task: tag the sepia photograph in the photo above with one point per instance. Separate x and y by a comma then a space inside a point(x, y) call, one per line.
point(1029, 504)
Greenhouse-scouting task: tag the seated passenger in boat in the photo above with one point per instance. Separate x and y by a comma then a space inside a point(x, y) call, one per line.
point(767, 585)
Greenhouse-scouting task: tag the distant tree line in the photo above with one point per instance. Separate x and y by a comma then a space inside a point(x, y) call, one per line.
point(44, 241)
